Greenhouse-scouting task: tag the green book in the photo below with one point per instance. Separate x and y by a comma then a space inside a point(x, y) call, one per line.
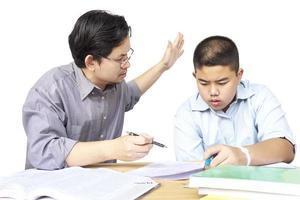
point(249, 178)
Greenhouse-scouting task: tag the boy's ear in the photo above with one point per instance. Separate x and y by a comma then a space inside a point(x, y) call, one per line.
point(240, 73)
point(194, 74)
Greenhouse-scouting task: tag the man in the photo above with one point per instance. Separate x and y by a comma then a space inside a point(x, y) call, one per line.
point(73, 116)
point(229, 120)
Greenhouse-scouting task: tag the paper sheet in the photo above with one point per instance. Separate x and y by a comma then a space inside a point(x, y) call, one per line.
point(169, 170)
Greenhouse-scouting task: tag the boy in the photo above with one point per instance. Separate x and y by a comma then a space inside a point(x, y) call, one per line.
point(73, 116)
point(229, 120)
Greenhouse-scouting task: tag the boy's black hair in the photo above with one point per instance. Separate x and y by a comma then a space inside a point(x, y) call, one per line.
point(216, 50)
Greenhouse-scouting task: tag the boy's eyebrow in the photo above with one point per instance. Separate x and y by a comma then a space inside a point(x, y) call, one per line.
point(219, 80)
point(222, 79)
point(200, 79)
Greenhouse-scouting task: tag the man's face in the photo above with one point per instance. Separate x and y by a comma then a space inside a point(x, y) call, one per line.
point(113, 68)
point(217, 85)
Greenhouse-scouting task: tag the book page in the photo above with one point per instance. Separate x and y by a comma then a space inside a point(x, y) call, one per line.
point(78, 183)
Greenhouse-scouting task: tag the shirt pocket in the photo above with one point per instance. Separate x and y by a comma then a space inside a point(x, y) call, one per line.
point(90, 130)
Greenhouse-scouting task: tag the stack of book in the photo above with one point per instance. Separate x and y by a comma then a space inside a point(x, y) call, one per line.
point(248, 182)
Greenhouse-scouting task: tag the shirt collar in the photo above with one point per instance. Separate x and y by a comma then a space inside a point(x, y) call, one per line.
point(84, 85)
point(243, 92)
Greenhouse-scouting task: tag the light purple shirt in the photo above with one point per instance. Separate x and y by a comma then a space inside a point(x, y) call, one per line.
point(255, 115)
point(64, 107)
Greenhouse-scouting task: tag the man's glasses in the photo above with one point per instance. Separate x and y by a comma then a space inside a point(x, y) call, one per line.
point(122, 61)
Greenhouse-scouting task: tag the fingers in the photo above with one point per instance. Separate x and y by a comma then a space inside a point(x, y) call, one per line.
point(142, 139)
point(213, 150)
point(178, 44)
point(179, 41)
point(219, 159)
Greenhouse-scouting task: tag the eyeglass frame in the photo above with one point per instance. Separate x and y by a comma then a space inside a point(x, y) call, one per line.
point(122, 62)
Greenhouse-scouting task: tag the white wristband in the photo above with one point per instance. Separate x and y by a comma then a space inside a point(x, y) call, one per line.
point(246, 152)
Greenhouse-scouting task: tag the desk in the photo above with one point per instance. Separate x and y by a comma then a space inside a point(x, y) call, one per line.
point(167, 190)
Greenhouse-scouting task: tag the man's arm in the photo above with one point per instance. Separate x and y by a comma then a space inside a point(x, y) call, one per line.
point(126, 148)
point(49, 147)
point(172, 53)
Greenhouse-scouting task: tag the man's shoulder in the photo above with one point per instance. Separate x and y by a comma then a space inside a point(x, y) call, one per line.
point(55, 75)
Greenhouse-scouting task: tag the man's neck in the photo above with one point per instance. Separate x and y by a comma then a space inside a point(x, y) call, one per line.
point(91, 77)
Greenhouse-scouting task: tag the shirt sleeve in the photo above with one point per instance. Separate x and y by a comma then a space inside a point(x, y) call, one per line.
point(188, 140)
point(47, 141)
point(270, 118)
point(133, 95)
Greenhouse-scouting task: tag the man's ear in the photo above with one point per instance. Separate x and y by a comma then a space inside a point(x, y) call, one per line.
point(90, 63)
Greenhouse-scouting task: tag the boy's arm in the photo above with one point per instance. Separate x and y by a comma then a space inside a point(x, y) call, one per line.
point(274, 136)
point(188, 140)
point(172, 53)
point(266, 152)
point(271, 151)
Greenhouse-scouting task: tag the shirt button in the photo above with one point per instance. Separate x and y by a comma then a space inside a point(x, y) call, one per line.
point(93, 93)
point(102, 97)
point(101, 136)
point(104, 117)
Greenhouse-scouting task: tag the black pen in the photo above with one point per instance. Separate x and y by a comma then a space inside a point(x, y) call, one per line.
point(153, 142)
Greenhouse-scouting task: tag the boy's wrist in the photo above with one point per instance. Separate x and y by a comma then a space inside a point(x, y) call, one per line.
point(247, 154)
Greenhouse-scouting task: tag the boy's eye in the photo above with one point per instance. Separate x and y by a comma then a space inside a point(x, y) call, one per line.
point(203, 83)
point(223, 83)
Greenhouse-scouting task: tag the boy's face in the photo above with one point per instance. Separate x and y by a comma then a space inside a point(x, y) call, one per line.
point(217, 85)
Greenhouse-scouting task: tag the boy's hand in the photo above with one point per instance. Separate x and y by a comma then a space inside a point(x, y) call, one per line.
point(225, 155)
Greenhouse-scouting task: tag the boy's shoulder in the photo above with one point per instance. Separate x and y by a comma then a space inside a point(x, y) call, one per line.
point(254, 88)
point(192, 103)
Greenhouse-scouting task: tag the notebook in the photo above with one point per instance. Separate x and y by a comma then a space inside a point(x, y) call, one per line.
point(249, 178)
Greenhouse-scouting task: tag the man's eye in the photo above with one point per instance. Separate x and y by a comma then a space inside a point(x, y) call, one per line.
point(120, 59)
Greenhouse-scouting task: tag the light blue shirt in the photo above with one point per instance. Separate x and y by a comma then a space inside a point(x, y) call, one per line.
point(255, 115)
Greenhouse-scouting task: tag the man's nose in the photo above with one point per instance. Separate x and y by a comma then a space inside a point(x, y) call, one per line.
point(126, 65)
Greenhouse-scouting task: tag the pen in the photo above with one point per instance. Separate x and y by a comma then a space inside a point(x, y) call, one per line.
point(208, 160)
point(153, 142)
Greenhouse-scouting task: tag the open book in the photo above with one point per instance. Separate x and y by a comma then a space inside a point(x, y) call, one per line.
point(74, 183)
point(248, 179)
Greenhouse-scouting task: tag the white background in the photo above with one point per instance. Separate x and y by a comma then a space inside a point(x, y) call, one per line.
point(33, 39)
